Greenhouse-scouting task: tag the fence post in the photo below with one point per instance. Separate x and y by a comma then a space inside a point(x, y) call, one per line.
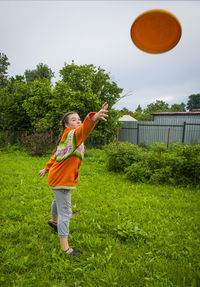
point(6, 143)
point(138, 134)
point(183, 136)
point(117, 136)
point(168, 138)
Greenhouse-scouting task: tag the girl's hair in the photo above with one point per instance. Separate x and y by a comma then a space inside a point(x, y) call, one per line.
point(64, 120)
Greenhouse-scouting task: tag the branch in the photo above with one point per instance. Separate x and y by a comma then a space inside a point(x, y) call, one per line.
point(124, 96)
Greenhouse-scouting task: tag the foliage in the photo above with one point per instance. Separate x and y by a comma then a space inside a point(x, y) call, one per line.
point(189, 162)
point(3, 70)
point(180, 164)
point(178, 108)
point(129, 234)
point(122, 156)
point(39, 142)
point(125, 111)
point(42, 72)
point(145, 115)
point(138, 113)
point(37, 104)
point(2, 138)
point(23, 104)
point(193, 102)
point(12, 114)
point(127, 230)
point(84, 89)
point(159, 106)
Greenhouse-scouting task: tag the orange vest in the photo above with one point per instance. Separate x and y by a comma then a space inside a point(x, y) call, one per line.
point(64, 164)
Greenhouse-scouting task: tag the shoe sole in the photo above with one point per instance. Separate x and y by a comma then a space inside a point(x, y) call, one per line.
point(53, 226)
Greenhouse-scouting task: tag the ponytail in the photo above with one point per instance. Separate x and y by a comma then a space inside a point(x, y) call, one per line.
point(64, 120)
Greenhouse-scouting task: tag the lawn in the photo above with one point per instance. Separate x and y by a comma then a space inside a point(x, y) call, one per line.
point(136, 235)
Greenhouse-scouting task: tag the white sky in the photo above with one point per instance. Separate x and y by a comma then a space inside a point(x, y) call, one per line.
point(98, 33)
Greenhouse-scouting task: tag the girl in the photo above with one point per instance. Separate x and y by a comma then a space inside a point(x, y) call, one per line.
point(63, 169)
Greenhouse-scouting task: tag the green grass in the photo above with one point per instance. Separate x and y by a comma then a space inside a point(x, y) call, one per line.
point(130, 234)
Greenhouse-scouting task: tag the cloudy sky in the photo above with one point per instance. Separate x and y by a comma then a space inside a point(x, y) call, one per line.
point(98, 33)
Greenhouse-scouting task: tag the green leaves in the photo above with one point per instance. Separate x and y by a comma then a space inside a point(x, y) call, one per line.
point(37, 104)
point(127, 230)
point(3, 70)
point(82, 89)
point(193, 102)
point(42, 71)
point(12, 114)
point(180, 164)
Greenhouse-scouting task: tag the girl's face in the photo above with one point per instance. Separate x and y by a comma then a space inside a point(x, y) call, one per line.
point(74, 121)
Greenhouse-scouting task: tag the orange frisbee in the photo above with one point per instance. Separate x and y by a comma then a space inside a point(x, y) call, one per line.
point(156, 31)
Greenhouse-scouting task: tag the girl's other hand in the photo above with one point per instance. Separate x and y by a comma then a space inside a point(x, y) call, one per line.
point(42, 172)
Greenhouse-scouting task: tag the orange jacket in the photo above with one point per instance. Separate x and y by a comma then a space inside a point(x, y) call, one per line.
point(64, 164)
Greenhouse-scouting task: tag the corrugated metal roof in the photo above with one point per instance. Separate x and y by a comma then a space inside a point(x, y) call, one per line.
point(177, 113)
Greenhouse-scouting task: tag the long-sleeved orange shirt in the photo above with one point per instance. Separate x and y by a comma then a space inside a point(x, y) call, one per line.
point(64, 164)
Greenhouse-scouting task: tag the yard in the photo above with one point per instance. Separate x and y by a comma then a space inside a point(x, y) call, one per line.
point(136, 235)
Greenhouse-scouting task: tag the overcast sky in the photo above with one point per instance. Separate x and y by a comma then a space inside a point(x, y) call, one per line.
point(98, 33)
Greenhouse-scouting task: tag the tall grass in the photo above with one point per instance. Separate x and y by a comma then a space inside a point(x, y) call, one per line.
point(129, 234)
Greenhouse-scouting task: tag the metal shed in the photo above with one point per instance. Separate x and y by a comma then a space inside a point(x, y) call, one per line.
point(177, 117)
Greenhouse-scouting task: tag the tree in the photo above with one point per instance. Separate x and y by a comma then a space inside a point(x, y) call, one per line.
point(193, 102)
point(25, 105)
point(178, 108)
point(12, 115)
point(139, 109)
point(157, 107)
point(125, 111)
point(16, 78)
point(84, 89)
point(36, 104)
point(3, 70)
point(138, 114)
point(42, 71)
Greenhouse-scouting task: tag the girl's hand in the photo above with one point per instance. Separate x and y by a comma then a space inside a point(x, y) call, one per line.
point(105, 106)
point(42, 172)
point(102, 113)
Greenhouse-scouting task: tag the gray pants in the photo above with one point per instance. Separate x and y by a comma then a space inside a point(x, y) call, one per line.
point(61, 207)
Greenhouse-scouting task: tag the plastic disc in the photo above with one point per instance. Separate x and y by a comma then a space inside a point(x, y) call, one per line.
point(156, 31)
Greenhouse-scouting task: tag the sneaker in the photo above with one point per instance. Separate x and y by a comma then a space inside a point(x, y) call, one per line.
point(53, 225)
point(72, 252)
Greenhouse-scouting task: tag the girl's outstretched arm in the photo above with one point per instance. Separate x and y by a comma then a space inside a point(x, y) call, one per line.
point(83, 131)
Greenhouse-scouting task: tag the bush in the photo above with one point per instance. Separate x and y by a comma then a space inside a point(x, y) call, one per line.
point(122, 156)
point(189, 166)
point(39, 143)
point(138, 172)
point(180, 164)
point(162, 175)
